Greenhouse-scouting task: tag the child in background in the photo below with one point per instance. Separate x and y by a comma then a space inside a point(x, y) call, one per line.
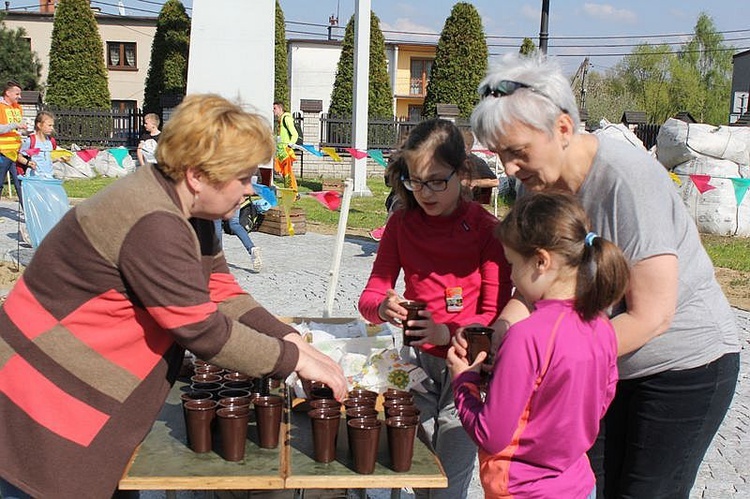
point(555, 372)
point(36, 149)
point(450, 259)
point(146, 151)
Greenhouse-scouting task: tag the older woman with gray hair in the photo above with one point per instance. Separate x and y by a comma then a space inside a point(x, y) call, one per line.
point(678, 340)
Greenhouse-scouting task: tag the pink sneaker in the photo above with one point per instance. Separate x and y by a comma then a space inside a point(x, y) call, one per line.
point(377, 234)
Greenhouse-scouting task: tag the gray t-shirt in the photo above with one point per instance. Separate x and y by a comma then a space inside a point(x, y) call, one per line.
point(632, 201)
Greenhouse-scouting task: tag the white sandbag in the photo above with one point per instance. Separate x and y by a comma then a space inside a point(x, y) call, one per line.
point(679, 142)
point(106, 164)
point(619, 131)
point(72, 167)
point(715, 211)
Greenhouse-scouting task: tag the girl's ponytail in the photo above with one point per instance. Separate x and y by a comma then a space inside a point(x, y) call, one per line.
point(602, 276)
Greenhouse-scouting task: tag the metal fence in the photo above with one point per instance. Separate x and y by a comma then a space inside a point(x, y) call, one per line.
point(382, 133)
point(98, 128)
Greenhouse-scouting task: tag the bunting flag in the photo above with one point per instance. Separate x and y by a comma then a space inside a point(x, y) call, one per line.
point(87, 154)
point(266, 193)
point(284, 168)
point(675, 178)
point(11, 155)
point(702, 182)
point(356, 153)
point(288, 197)
point(32, 151)
point(332, 153)
point(60, 153)
point(483, 151)
point(118, 153)
point(329, 199)
point(377, 155)
point(311, 149)
point(740, 188)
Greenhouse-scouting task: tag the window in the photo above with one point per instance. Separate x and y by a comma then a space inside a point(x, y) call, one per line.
point(121, 56)
point(420, 76)
point(415, 112)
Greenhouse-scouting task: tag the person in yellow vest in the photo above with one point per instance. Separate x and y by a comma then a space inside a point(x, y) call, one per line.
point(286, 138)
point(10, 138)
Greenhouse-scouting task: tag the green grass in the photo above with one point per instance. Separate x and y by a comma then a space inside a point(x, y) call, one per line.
point(728, 252)
point(364, 212)
point(84, 188)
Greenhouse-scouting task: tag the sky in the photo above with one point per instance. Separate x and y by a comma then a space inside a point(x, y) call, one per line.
point(602, 30)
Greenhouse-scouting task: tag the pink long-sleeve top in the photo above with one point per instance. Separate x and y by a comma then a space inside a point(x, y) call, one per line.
point(438, 254)
point(553, 379)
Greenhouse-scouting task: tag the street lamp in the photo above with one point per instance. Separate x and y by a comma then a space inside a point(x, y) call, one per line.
point(543, 30)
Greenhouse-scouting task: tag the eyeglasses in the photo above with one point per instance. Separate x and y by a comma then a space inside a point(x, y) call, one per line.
point(433, 185)
point(509, 87)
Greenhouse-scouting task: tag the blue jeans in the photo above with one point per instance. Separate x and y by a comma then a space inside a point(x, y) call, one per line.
point(654, 436)
point(8, 491)
point(7, 165)
point(237, 230)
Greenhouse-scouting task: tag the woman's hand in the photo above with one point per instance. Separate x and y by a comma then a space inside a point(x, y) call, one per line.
point(315, 366)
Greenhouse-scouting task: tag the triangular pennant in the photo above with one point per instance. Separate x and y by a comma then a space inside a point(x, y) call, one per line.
point(377, 155)
point(60, 153)
point(266, 193)
point(740, 188)
point(119, 154)
point(311, 149)
point(32, 151)
point(11, 155)
point(332, 153)
point(329, 199)
point(356, 153)
point(702, 182)
point(675, 178)
point(483, 151)
point(288, 197)
point(87, 154)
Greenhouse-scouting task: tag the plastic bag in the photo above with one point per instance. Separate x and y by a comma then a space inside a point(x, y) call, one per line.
point(45, 202)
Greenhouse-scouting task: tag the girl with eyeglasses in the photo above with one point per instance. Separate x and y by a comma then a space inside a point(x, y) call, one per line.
point(445, 247)
point(677, 335)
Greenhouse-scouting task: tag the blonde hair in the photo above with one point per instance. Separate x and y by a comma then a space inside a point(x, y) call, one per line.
point(153, 117)
point(215, 136)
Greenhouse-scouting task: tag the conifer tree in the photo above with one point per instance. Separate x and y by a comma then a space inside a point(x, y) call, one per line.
point(281, 82)
point(77, 75)
point(17, 61)
point(460, 62)
point(527, 47)
point(167, 74)
point(380, 94)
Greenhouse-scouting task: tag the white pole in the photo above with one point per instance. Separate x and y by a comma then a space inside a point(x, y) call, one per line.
point(360, 97)
point(338, 248)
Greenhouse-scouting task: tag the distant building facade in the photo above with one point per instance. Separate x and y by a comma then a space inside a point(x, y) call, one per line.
point(740, 95)
point(127, 44)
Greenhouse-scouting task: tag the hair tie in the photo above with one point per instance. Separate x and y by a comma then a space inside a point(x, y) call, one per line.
point(589, 239)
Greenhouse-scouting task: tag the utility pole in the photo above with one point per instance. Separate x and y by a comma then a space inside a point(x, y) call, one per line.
point(544, 29)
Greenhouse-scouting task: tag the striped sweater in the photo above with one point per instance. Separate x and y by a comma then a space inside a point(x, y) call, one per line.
point(92, 336)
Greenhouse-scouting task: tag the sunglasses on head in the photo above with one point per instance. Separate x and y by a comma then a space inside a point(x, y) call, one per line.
point(509, 87)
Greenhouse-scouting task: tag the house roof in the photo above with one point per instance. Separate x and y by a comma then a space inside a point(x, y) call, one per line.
point(629, 117)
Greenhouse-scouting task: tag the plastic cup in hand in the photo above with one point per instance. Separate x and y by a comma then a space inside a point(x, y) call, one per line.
point(198, 417)
point(479, 340)
point(233, 430)
point(364, 436)
point(325, 430)
point(268, 418)
point(401, 432)
point(412, 313)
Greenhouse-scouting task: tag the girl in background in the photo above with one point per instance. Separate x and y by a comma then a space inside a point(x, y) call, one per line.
point(450, 259)
point(555, 372)
point(36, 149)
